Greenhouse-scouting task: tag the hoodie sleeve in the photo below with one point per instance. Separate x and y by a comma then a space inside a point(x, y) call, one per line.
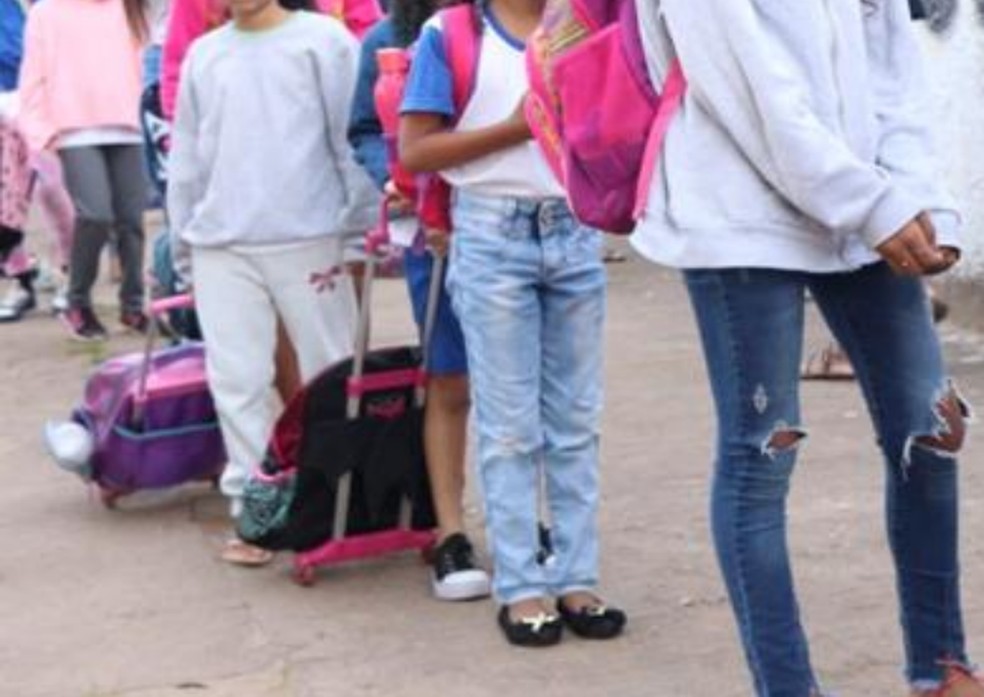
point(35, 117)
point(739, 59)
point(187, 22)
point(365, 132)
point(905, 148)
point(186, 178)
point(11, 43)
point(337, 68)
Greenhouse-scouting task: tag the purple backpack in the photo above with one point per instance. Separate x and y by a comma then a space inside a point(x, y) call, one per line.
point(152, 422)
point(594, 111)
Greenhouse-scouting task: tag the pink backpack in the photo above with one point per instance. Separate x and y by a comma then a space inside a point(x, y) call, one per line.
point(462, 47)
point(594, 111)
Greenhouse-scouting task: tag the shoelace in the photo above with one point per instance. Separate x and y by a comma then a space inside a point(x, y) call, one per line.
point(456, 557)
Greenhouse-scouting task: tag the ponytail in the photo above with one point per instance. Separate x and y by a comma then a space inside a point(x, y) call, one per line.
point(136, 19)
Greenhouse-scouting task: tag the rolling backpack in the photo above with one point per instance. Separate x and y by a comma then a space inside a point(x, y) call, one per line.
point(594, 110)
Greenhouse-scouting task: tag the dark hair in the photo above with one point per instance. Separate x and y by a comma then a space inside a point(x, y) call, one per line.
point(136, 18)
point(408, 18)
point(294, 5)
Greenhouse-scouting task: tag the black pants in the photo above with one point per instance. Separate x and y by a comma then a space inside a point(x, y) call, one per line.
point(108, 185)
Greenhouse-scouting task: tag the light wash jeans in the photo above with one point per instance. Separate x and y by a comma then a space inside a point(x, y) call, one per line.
point(528, 285)
point(751, 323)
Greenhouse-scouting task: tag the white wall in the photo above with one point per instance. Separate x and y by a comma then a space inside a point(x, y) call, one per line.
point(955, 68)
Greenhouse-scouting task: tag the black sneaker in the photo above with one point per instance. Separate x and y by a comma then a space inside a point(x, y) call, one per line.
point(456, 576)
point(135, 321)
point(84, 325)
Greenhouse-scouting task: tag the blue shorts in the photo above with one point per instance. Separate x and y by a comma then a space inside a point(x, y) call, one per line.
point(447, 352)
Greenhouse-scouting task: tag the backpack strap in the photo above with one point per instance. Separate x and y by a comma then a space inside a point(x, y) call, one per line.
point(671, 98)
point(462, 46)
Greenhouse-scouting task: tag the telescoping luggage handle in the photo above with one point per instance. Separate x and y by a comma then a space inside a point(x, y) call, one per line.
point(157, 308)
point(376, 241)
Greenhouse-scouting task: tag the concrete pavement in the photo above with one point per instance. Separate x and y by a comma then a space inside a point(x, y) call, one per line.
point(134, 603)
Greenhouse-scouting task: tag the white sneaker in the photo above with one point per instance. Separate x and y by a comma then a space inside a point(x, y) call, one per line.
point(16, 303)
point(59, 301)
point(456, 576)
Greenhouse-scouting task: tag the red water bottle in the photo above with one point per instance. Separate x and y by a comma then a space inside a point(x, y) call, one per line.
point(394, 65)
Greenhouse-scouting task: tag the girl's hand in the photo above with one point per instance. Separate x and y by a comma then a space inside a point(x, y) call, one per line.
point(397, 203)
point(951, 254)
point(517, 120)
point(912, 251)
point(438, 241)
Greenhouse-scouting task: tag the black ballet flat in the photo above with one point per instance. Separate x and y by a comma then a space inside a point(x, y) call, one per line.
point(594, 621)
point(531, 632)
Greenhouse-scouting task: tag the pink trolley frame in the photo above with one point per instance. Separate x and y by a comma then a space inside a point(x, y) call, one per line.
point(341, 548)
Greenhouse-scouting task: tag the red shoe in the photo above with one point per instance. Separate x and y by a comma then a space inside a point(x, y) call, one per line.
point(135, 321)
point(83, 324)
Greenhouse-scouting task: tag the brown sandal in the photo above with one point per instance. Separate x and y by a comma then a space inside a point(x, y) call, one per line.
point(244, 554)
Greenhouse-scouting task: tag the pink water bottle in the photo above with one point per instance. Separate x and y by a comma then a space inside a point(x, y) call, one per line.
point(394, 64)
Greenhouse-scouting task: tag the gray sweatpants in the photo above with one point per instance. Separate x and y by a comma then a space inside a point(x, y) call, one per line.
point(109, 188)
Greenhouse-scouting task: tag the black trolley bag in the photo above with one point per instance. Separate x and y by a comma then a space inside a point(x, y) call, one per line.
point(345, 476)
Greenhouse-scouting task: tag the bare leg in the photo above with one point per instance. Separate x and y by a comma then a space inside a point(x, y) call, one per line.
point(445, 442)
point(287, 378)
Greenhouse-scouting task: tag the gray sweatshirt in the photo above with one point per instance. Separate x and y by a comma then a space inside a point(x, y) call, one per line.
point(259, 150)
point(801, 144)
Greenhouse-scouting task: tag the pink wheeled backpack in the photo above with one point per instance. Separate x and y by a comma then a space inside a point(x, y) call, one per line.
point(150, 420)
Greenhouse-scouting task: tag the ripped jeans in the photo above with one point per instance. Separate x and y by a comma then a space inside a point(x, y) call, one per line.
point(751, 325)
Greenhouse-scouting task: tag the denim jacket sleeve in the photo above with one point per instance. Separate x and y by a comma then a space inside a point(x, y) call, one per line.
point(365, 132)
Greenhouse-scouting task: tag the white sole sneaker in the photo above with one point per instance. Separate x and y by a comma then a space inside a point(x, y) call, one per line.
point(462, 585)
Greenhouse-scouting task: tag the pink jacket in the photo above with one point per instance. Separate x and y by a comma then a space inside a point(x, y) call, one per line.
point(81, 70)
point(192, 18)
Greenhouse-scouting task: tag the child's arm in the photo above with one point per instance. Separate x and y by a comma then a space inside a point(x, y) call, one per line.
point(426, 144)
point(186, 180)
point(337, 66)
point(365, 132)
point(34, 118)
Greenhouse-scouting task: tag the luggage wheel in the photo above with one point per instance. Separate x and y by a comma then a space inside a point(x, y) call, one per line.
point(304, 576)
point(109, 497)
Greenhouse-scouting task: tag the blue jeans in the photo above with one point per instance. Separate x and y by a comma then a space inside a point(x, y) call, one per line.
point(751, 324)
point(527, 283)
point(153, 56)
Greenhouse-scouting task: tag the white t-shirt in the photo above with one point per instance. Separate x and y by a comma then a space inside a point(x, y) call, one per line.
point(500, 84)
point(94, 137)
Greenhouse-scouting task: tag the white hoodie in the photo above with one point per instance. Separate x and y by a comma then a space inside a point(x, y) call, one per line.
point(801, 143)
